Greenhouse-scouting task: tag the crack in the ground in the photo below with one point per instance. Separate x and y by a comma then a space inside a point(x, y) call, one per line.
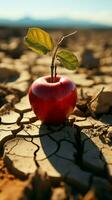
point(64, 158)
point(35, 153)
point(57, 149)
point(6, 123)
point(15, 131)
point(79, 148)
point(56, 128)
point(79, 157)
point(33, 119)
point(23, 111)
point(13, 146)
point(77, 143)
point(105, 172)
point(22, 156)
point(3, 141)
point(90, 181)
point(58, 143)
point(59, 146)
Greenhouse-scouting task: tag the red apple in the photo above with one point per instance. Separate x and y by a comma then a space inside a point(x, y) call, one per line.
point(53, 102)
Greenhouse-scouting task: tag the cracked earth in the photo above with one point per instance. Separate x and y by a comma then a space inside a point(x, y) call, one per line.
point(72, 160)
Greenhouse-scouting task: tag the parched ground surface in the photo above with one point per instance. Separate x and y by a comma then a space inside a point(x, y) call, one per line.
point(72, 160)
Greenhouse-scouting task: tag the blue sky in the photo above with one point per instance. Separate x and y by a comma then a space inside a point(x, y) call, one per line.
point(97, 10)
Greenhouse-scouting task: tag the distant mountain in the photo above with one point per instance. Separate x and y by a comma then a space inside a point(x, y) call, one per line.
point(52, 23)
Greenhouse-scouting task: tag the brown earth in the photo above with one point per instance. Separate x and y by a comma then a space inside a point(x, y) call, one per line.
point(72, 160)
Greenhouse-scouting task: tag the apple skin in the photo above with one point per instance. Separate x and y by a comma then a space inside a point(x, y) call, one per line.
point(53, 102)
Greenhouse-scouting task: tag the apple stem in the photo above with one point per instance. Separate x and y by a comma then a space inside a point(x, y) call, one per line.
point(53, 66)
point(52, 70)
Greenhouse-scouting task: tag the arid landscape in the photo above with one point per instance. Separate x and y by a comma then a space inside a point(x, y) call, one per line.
point(69, 161)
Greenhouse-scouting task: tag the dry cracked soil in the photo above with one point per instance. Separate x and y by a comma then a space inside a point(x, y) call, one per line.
point(70, 161)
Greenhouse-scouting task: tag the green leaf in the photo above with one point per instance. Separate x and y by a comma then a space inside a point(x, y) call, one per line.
point(38, 40)
point(68, 59)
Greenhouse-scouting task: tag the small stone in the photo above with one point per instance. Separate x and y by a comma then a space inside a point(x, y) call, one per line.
point(71, 118)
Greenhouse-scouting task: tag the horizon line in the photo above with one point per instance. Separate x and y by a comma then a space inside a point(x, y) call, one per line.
point(98, 22)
